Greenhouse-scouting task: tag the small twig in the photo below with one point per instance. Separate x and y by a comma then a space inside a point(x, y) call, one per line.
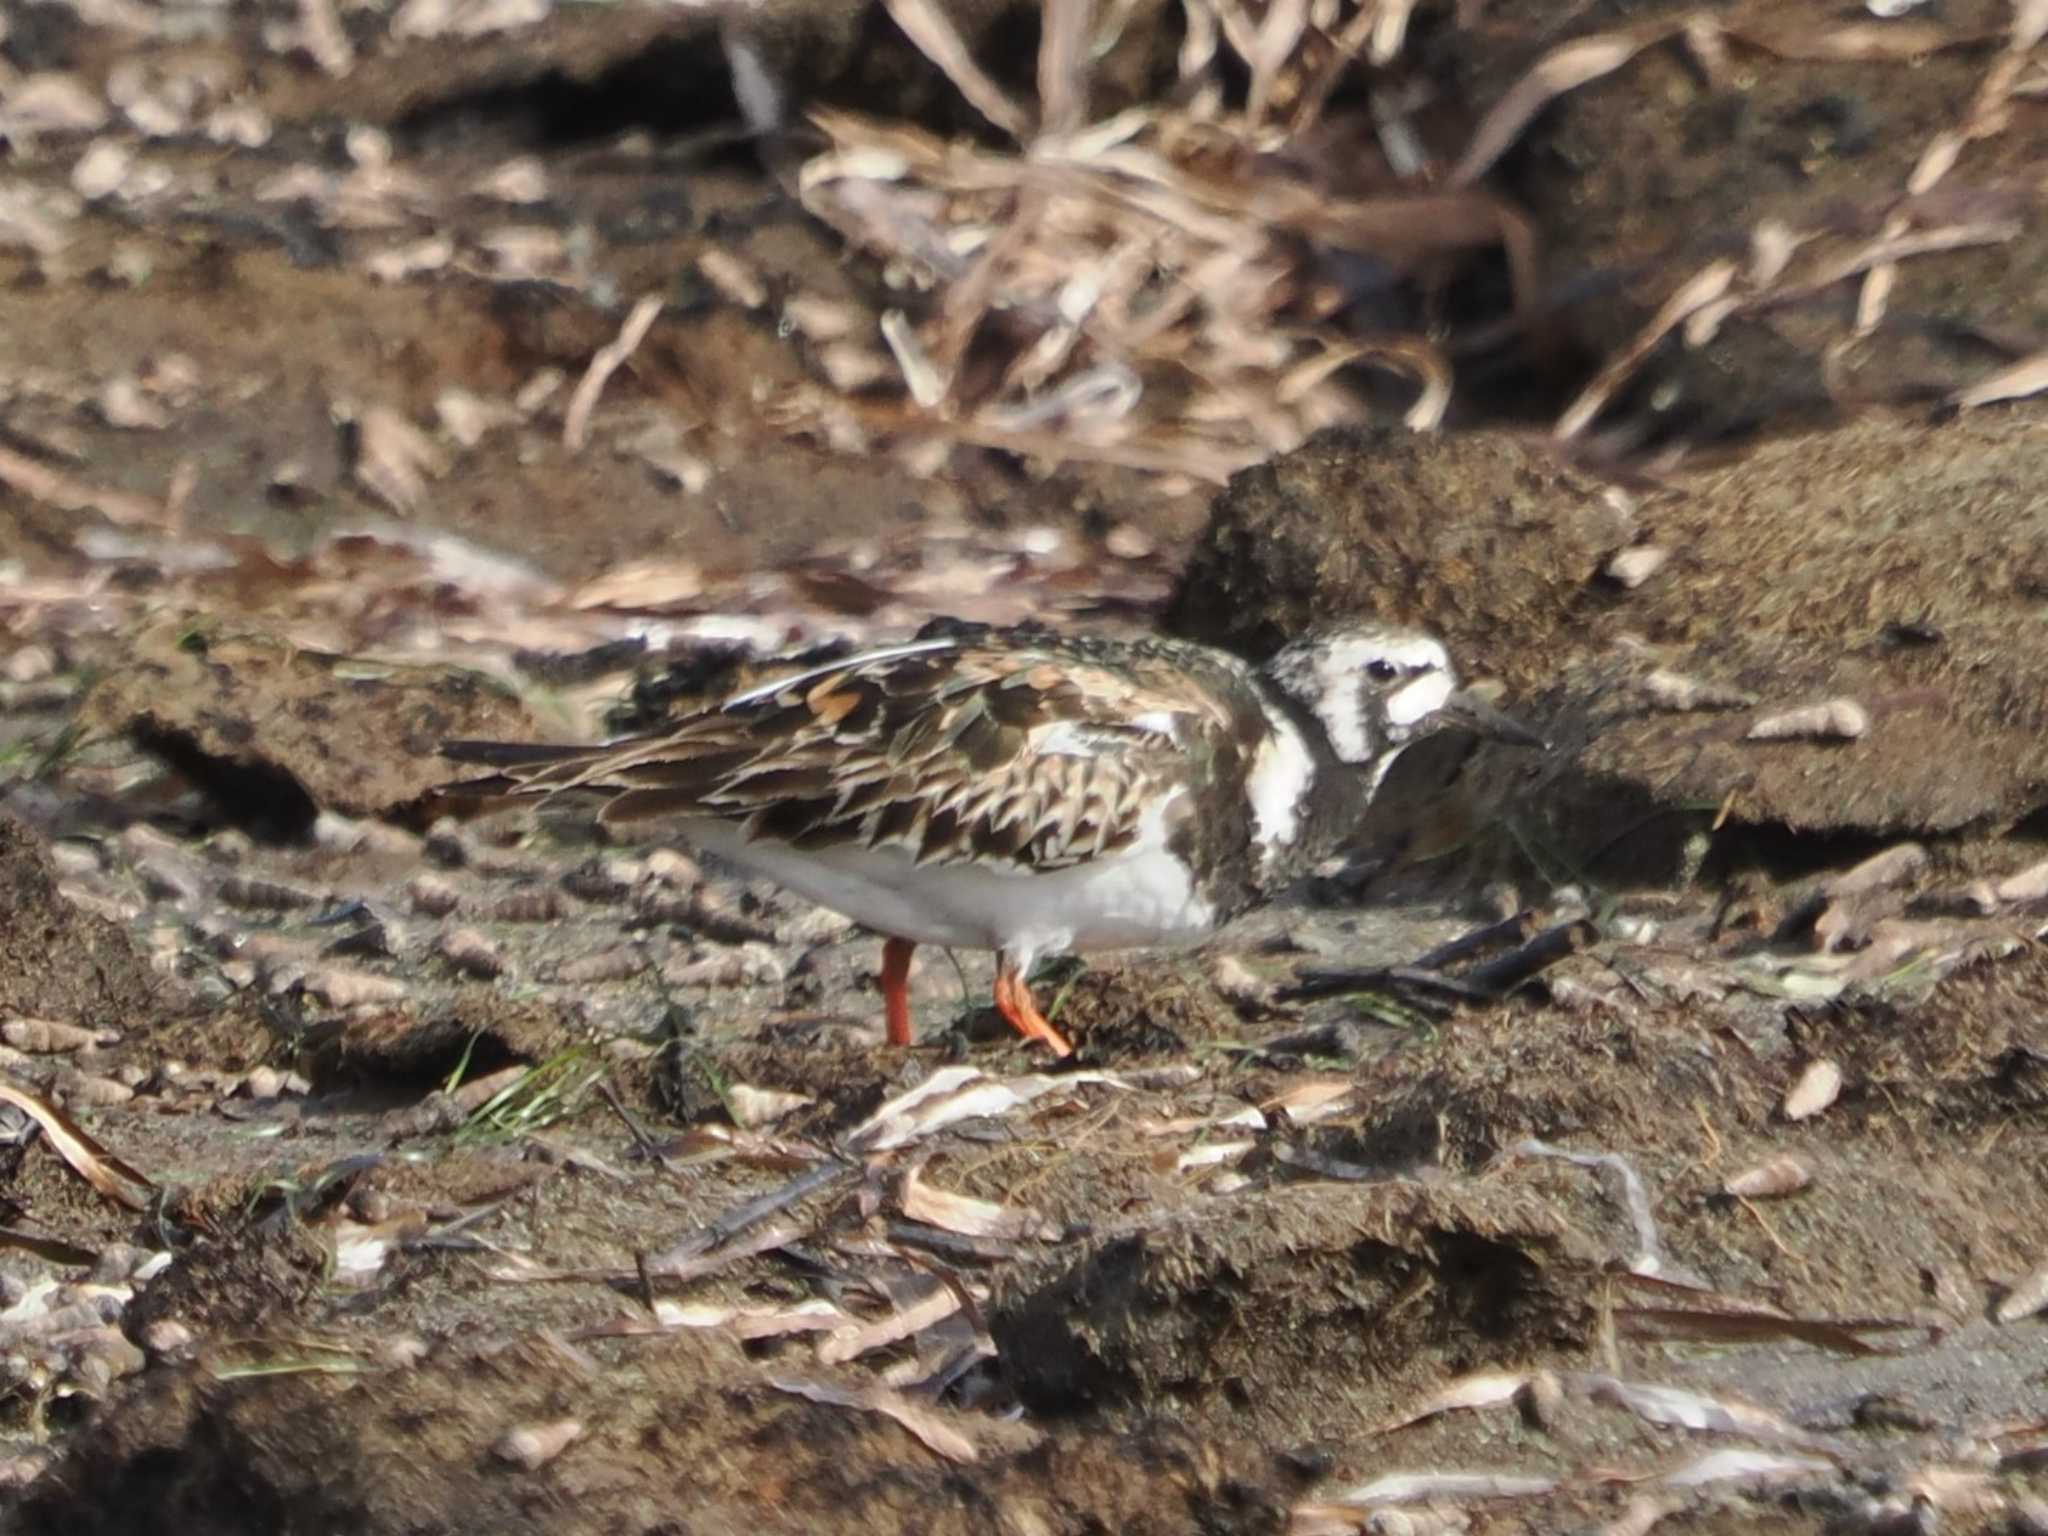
point(1518, 929)
point(1502, 976)
point(953, 1245)
point(722, 1230)
point(647, 1149)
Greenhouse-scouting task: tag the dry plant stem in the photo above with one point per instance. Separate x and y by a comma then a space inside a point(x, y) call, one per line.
point(926, 25)
point(1518, 930)
point(1564, 68)
point(576, 419)
point(1063, 64)
point(725, 1228)
point(1538, 955)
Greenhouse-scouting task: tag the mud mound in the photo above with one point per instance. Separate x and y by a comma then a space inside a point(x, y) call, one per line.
point(1240, 1316)
point(1896, 564)
point(58, 961)
point(275, 733)
point(673, 1433)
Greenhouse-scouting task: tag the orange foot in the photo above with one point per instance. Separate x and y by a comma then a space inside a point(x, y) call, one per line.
point(1014, 1002)
point(896, 988)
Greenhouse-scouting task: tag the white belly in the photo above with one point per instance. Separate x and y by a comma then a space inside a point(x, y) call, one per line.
point(1137, 898)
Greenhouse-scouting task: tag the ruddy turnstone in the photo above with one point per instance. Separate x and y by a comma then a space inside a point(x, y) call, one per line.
point(1028, 793)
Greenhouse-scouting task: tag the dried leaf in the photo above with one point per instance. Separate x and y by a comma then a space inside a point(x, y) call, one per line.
point(927, 1424)
point(1746, 1465)
point(642, 586)
point(814, 1316)
point(1702, 288)
point(1662, 1405)
point(847, 1343)
point(970, 1217)
point(953, 1094)
point(1483, 1389)
point(1430, 1487)
point(1312, 1099)
point(85, 1157)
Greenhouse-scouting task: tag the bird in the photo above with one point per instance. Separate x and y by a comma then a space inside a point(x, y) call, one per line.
point(1025, 791)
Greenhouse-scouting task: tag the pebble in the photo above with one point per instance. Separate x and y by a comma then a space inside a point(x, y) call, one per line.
point(617, 963)
point(432, 896)
point(534, 1446)
point(264, 895)
point(1769, 1180)
point(29, 664)
point(536, 904)
point(95, 1092)
point(1835, 720)
point(340, 987)
point(739, 965)
point(1818, 1087)
point(671, 867)
point(471, 953)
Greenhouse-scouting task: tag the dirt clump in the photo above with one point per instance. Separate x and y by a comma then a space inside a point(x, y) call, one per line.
point(680, 1432)
point(1891, 564)
point(1328, 1290)
point(58, 961)
point(274, 732)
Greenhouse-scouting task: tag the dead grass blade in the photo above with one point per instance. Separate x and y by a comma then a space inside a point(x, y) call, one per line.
point(1843, 1337)
point(608, 360)
point(92, 1162)
point(53, 487)
point(856, 1339)
point(1483, 1389)
point(2015, 381)
point(1696, 293)
point(1679, 1407)
point(1897, 41)
point(51, 1250)
point(926, 25)
point(1063, 64)
point(1564, 68)
point(971, 1217)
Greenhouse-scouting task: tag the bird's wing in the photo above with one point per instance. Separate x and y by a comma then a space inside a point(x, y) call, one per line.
point(1011, 756)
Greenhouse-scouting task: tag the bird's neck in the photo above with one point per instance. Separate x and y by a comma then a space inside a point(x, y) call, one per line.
point(1331, 807)
point(1330, 812)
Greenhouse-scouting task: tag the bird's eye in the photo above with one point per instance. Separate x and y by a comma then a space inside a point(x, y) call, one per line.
point(1381, 670)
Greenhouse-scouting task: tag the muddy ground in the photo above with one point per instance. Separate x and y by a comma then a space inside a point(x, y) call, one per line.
point(465, 1170)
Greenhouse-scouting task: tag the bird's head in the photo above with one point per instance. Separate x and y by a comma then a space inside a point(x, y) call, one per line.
point(1376, 690)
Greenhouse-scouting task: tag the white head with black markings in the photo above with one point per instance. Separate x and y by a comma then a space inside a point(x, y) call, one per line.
point(1375, 689)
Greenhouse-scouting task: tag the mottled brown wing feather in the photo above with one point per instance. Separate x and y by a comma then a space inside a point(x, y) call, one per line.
point(966, 755)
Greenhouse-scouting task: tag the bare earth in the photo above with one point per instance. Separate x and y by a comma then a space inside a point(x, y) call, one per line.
point(378, 1164)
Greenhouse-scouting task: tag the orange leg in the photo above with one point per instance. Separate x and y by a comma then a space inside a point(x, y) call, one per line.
point(896, 988)
point(1014, 1003)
